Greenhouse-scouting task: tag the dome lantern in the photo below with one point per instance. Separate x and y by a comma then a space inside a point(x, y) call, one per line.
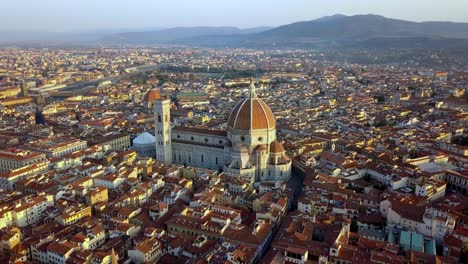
point(251, 114)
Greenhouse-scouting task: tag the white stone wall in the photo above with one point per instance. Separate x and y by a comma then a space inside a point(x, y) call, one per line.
point(198, 156)
point(198, 138)
point(198, 150)
point(252, 138)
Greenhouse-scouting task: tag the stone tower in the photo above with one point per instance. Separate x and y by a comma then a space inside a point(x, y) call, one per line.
point(162, 122)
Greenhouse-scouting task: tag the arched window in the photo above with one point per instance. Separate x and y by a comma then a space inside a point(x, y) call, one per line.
point(159, 118)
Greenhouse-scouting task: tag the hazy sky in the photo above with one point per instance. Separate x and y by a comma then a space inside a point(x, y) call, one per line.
point(71, 15)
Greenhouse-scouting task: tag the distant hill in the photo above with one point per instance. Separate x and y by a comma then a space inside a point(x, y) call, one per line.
point(412, 42)
point(364, 31)
point(347, 29)
point(178, 34)
point(329, 18)
point(336, 31)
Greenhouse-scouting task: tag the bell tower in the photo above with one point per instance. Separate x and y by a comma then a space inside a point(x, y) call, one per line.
point(162, 126)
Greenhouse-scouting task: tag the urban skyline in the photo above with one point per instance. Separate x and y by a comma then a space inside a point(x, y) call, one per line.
point(340, 140)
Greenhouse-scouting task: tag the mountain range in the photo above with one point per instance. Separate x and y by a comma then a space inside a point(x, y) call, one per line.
point(364, 27)
point(357, 31)
point(178, 34)
point(366, 31)
point(330, 31)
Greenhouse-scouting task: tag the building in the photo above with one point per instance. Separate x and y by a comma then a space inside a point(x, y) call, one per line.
point(11, 91)
point(150, 96)
point(9, 178)
point(13, 158)
point(96, 195)
point(429, 222)
point(60, 252)
point(457, 181)
point(248, 148)
point(15, 101)
point(147, 251)
point(216, 225)
point(31, 210)
point(115, 141)
point(9, 239)
point(72, 214)
point(56, 147)
point(144, 145)
point(91, 239)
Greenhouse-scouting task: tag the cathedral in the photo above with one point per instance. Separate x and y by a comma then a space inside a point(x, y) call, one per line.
point(248, 147)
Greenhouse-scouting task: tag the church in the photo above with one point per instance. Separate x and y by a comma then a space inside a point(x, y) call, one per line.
point(248, 147)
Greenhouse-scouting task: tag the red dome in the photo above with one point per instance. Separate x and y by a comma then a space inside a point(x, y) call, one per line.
point(151, 96)
point(276, 147)
point(262, 147)
point(251, 113)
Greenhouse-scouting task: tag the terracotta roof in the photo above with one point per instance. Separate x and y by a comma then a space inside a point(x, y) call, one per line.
point(251, 113)
point(61, 248)
point(19, 154)
point(408, 210)
point(152, 95)
point(276, 147)
point(261, 147)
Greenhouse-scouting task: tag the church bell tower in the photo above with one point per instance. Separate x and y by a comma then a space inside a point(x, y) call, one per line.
point(162, 124)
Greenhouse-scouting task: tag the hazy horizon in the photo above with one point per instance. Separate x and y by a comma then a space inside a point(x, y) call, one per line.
point(88, 15)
